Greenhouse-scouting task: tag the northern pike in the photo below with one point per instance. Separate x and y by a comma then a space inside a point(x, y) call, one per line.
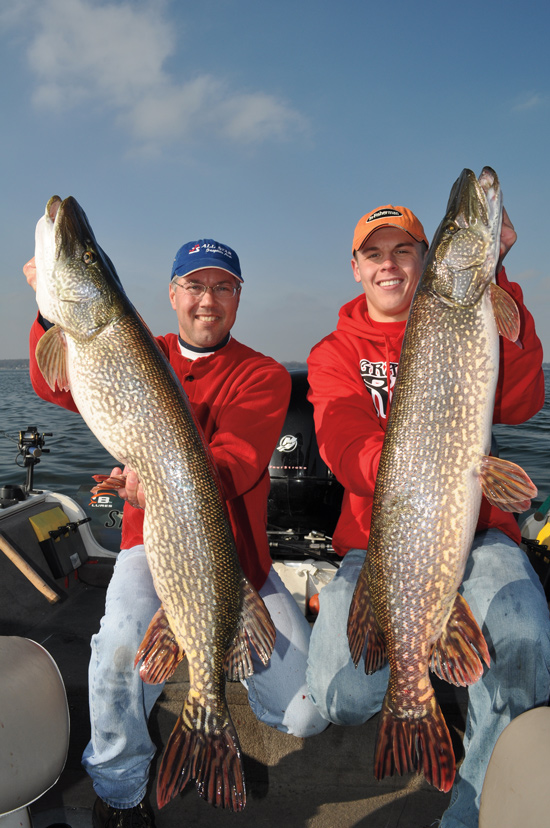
point(434, 467)
point(125, 389)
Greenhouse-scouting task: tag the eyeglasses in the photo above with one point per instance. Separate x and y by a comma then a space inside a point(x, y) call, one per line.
point(197, 290)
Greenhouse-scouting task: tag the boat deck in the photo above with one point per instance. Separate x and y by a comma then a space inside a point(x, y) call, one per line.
point(321, 782)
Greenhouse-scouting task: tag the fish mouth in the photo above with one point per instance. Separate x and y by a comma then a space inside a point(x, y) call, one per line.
point(71, 227)
point(465, 249)
point(468, 201)
point(489, 183)
point(74, 237)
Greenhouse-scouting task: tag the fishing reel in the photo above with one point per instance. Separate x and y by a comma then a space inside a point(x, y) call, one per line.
point(31, 448)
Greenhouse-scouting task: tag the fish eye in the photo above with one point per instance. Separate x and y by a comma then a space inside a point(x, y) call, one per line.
point(88, 257)
point(450, 226)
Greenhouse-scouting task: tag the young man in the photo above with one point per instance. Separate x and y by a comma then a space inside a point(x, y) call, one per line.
point(240, 398)
point(351, 374)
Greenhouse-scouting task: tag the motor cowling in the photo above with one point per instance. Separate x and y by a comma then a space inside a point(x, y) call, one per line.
point(304, 494)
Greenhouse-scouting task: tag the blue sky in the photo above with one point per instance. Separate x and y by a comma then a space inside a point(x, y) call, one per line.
point(271, 127)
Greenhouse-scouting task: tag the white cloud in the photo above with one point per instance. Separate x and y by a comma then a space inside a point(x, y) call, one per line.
point(113, 55)
point(530, 100)
point(16, 13)
point(257, 116)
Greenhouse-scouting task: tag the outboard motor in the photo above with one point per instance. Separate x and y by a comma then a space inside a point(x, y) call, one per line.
point(305, 496)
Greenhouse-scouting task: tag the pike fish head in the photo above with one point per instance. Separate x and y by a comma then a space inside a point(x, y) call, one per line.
point(464, 252)
point(77, 286)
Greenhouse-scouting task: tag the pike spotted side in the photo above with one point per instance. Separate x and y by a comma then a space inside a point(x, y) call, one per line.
point(126, 391)
point(434, 467)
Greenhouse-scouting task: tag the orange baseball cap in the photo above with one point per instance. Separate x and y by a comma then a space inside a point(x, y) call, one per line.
point(387, 216)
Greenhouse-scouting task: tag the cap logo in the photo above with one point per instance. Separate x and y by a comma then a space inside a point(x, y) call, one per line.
point(384, 214)
point(216, 249)
point(203, 254)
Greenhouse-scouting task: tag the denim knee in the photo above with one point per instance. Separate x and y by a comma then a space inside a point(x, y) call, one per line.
point(517, 625)
point(342, 693)
point(520, 662)
point(352, 699)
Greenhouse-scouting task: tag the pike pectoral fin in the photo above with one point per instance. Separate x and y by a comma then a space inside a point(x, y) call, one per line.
point(51, 357)
point(255, 626)
point(506, 485)
point(159, 650)
point(423, 744)
point(456, 655)
point(506, 313)
point(207, 750)
point(106, 483)
point(363, 626)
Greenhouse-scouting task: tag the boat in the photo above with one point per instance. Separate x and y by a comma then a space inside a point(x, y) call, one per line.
point(58, 554)
point(535, 540)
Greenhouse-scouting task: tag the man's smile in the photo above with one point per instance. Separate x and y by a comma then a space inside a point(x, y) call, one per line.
point(390, 282)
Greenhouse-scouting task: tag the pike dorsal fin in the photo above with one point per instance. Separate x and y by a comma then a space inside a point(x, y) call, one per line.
point(51, 356)
point(456, 654)
point(506, 313)
point(506, 485)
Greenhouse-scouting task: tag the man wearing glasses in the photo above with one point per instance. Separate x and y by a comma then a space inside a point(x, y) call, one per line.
point(240, 398)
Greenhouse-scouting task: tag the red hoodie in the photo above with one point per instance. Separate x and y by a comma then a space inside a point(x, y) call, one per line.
point(348, 373)
point(240, 398)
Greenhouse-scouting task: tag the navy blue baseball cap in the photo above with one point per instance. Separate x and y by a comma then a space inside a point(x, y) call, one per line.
point(198, 255)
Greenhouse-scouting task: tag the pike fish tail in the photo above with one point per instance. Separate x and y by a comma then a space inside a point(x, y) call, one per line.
point(419, 742)
point(203, 747)
point(415, 744)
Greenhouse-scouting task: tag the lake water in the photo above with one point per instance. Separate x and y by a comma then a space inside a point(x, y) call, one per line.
point(75, 454)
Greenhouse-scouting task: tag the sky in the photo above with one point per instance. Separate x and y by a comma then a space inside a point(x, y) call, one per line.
point(271, 127)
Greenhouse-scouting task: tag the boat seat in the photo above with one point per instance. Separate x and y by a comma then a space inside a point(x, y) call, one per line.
point(34, 727)
point(515, 792)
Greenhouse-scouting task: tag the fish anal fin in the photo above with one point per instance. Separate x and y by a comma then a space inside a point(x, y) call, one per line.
point(160, 650)
point(506, 313)
point(415, 744)
point(363, 627)
point(51, 357)
point(258, 622)
point(456, 655)
point(238, 659)
point(204, 748)
point(256, 627)
point(506, 485)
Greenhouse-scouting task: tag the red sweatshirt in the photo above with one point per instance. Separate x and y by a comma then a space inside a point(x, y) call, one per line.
point(348, 373)
point(240, 398)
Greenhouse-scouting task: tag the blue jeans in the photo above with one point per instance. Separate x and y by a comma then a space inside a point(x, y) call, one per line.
point(120, 750)
point(508, 602)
